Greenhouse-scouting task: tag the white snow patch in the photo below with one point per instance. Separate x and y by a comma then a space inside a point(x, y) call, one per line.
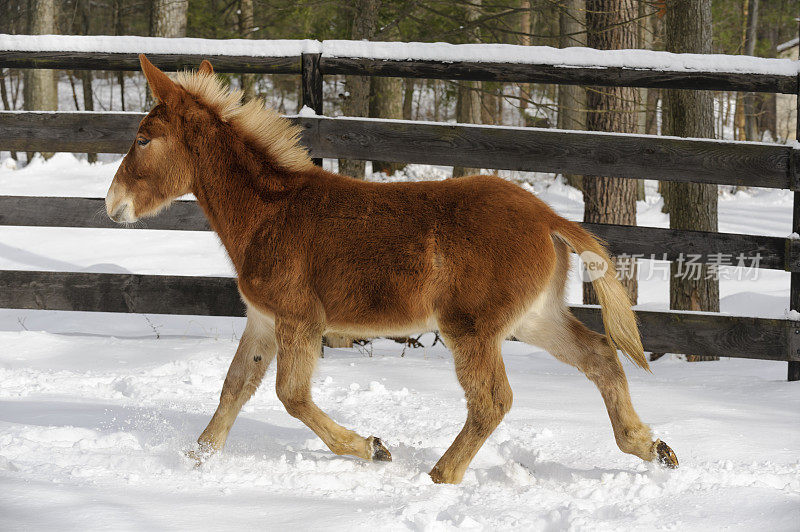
point(307, 111)
point(124, 44)
point(405, 51)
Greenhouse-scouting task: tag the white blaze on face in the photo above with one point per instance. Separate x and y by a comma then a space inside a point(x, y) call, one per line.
point(119, 206)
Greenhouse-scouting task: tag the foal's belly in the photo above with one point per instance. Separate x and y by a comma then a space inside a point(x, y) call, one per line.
point(371, 330)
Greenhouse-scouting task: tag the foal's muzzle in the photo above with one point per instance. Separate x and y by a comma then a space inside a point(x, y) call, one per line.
point(123, 213)
point(118, 207)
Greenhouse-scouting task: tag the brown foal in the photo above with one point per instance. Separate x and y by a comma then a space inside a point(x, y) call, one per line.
point(476, 258)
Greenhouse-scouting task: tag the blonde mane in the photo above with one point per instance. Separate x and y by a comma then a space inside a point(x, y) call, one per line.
point(269, 130)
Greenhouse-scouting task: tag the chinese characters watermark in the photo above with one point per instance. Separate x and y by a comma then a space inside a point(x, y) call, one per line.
point(687, 266)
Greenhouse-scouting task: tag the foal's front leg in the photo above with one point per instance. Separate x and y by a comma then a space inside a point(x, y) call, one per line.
point(256, 350)
point(299, 345)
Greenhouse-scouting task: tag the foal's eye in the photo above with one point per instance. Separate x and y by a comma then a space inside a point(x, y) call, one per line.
point(142, 142)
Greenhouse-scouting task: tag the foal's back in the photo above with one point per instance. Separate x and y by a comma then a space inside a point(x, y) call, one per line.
point(388, 253)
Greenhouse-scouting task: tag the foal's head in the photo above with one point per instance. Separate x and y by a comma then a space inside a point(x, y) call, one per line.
point(158, 167)
point(164, 160)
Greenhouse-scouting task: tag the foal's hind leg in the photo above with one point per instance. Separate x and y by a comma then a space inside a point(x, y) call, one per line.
point(299, 347)
point(255, 352)
point(482, 375)
point(566, 338)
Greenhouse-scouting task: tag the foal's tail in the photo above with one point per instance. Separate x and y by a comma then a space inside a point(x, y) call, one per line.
point(618, 318)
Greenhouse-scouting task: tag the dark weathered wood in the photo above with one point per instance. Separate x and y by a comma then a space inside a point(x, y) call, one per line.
point(705, 334)
point(547, 150)
point(793, 372)
point(709, 247)
point(311, 81)
point(697, 333)
point(73, 131)
point(473, 70)
point(130, 62)
point(651, 242)
point(102, 292)
point(566, 75)
point(531, 149)
point(91, 212)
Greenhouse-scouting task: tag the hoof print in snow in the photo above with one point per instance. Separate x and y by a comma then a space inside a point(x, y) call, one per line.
point(379, 451)
point(664, 455)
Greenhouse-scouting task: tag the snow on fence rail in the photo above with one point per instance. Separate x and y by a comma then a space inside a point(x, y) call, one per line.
point(498, 62)
point(591, 153)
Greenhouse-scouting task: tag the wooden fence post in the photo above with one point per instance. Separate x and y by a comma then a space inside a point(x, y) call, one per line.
point(312, 86)
point(312, 97)
point(794, 291)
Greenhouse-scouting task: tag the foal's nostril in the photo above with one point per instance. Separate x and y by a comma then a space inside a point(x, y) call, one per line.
point(115, 215)
point(120, 213)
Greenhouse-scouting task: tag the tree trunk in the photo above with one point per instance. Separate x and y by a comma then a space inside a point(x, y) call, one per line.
point(86, 75)
point(248, 81)
point(750, 117)
point(168, 18)
point(119, 30)
point(386, 101)
point(572, 98)
point(468, 101)
point(356, 101)
point(41, 89)
point(691, 114)
point(408, 99)
point(524, 40)
point(88, 102)
point(611, 25)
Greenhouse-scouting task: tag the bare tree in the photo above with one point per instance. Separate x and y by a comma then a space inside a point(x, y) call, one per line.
point(86, 75)
point(689, 113)
point(168, 18)
point(386, 101)
point(572, 98)
point(248, 81)
point(356, 100)
point(611, 25)
point(41, 89)
point(749, 99)
point(468, 103)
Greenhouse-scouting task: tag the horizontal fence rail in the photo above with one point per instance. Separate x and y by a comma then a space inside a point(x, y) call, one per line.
point(510, 148)
point(130, 62)
point(522, 64)
point(667, 244)
point(561, 75)
point(698, 333)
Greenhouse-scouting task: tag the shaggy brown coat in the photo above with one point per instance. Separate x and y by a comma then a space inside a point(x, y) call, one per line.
point(477, 258)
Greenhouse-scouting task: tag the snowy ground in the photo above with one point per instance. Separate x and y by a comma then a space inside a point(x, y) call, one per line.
point(95, 410)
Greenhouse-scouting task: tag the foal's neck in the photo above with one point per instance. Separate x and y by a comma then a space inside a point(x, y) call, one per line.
point(237, 187)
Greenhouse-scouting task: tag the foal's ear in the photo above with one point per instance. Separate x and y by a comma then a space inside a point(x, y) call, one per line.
point(163, 88)
point(205, 67)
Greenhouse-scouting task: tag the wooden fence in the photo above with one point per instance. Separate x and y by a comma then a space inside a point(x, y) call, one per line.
point(532, 149)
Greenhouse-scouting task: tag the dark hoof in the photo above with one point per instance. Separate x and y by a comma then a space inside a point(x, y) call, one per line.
point(436, 476)
point(664, 455)
point(379, 451)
